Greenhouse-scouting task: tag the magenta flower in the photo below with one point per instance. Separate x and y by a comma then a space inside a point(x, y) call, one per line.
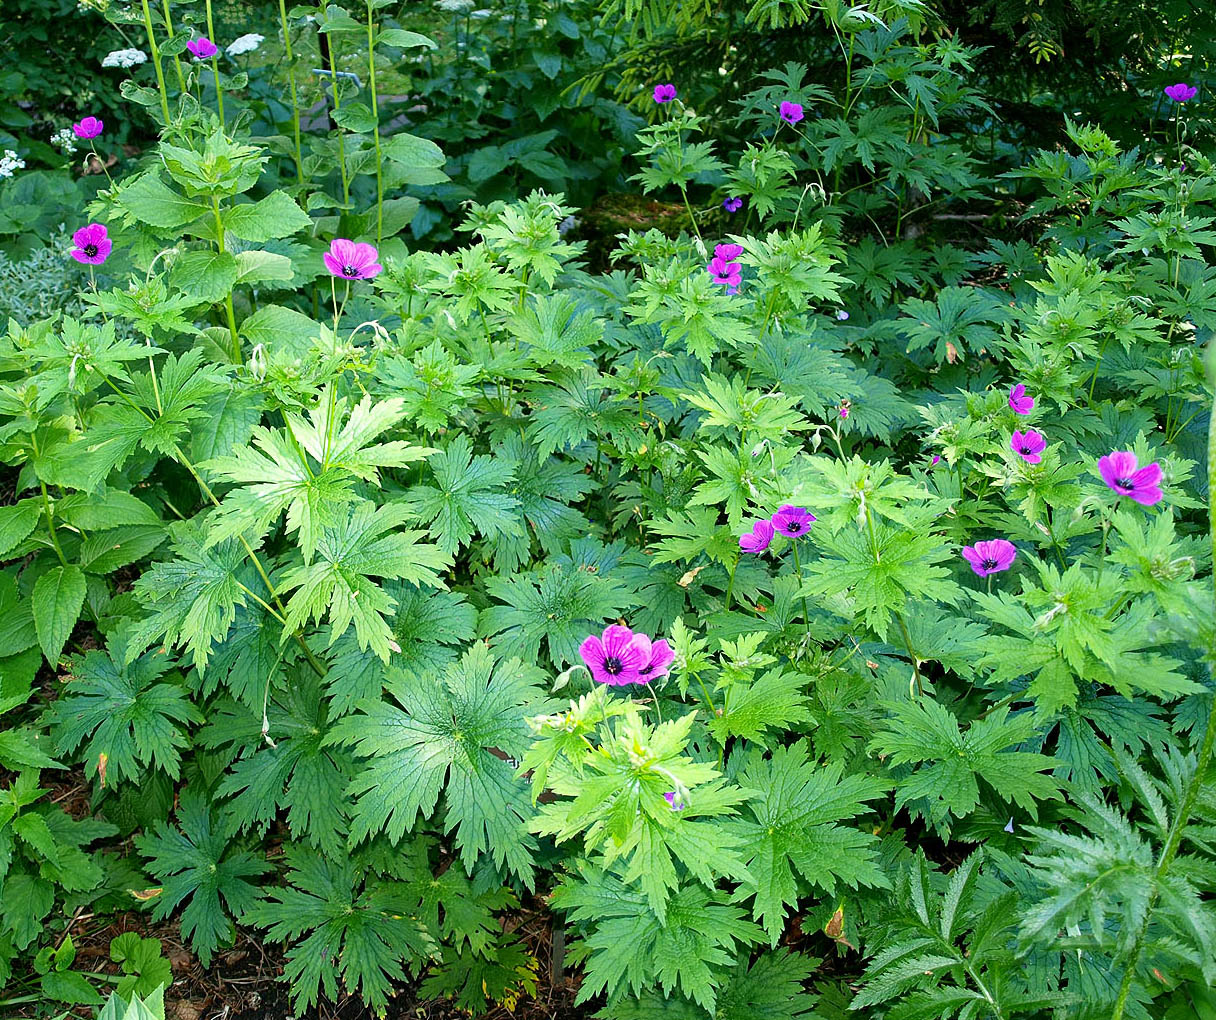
point(722, 271)
point(791, 113)
point(758, 539)
point(202, 48)
point(1018, 400)
point(92, 245)
point(659, 660)
point(350, 261)
point(793, 521)
point(844, 410)
point(990, 557)
point(935, 459)
point(1028, 445)
point(676, 804)
point(728, 252)
point(1181, 93)
point(732, 203)
point(1122, 474)
point(617, 658)
point(664, 93)
point(89, 127)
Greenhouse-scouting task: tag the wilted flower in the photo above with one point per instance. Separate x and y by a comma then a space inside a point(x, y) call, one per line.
point(1028, 445)
point(1018, 400)
point(350, 261)
point(935, 460)
point(618, 657)
point(732, 203)
point(664, 93)
point(990, 557)
point(1181, 93)
point(244, 44)
point(9, 162)
point(1122, 474)
point(675, 800)
point(842, 315)
point(92, 245)
point(844, 410)
point(758, 539)
point(202, 48)
point(793, 521)
point(123, 58)
point(791, 113)
point(88, 127)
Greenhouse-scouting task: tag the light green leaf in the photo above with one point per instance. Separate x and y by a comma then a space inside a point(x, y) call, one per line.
point(57, 599)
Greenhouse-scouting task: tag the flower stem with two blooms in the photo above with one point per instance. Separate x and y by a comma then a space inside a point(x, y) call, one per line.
point(371, 74)
point(228, 309)
point(177, 64)
point(1202, 760)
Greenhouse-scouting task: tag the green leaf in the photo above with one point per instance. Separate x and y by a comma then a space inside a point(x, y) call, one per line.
point(16, 523)
point(57, 599)
point(438, 738)
point(403, 39)
point(276, 215)
point(206, 276)
point(281, 329)
point(71, 987)
point(410, 150)
point(147, 199)
point(197, 863)
point(263, 266)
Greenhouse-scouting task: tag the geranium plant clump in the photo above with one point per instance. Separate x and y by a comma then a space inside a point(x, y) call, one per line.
point(734, 615)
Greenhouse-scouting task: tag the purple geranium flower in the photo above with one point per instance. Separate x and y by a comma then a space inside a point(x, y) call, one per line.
point(1018, 400)
point(758, 539)
point(617, 658)
point(664, 93)
point(92, 245)
point(89, 127)
point(1028, 445)
point(202, 48)
point(672, 798)
point(722, 271)
point(1122, 474)
point(350, 261)
point(728, 252)
point(990, 557)
point(1181, 93)
point(732, 203)
point(793, 521)
point(659, 660)
point(791, 113)
point(844, 410)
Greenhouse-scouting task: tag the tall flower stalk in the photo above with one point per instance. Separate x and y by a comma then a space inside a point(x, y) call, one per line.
point(371, 74)
point(177, 63)
point(160, 71)
point(215, 69)
point(291, 82)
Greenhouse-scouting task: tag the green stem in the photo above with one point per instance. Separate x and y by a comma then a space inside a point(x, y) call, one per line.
point(333, 77)
point(806, 613)
point(219, 241)
point(291, 80)
point(160, 71)
point(903, 629)
point(730, 585)
point(215, 69)
point(1174, 839)
point(177, 64)
point(371, 74)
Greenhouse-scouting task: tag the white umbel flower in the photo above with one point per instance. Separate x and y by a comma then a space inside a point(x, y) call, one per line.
point(64, 139)
point(123, 58)
point(245, 44)
point(10, 162)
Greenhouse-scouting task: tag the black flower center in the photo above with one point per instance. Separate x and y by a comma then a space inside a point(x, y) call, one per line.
point(1026, 450)
point(350, 271)
point(990, 564)
point(1124, 483)
point(90, 250)
point(613, 666)
point(794, 526)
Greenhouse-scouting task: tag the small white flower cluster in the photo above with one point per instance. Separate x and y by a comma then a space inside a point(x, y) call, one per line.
point(245, 44)
point(123, 58)
point(455, 6)
point(10, 162)
point(65, 139)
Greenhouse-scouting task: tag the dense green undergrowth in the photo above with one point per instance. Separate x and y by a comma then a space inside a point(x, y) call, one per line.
point(320, 555)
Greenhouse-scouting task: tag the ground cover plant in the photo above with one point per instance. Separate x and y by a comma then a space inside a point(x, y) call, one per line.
point(811, 615)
